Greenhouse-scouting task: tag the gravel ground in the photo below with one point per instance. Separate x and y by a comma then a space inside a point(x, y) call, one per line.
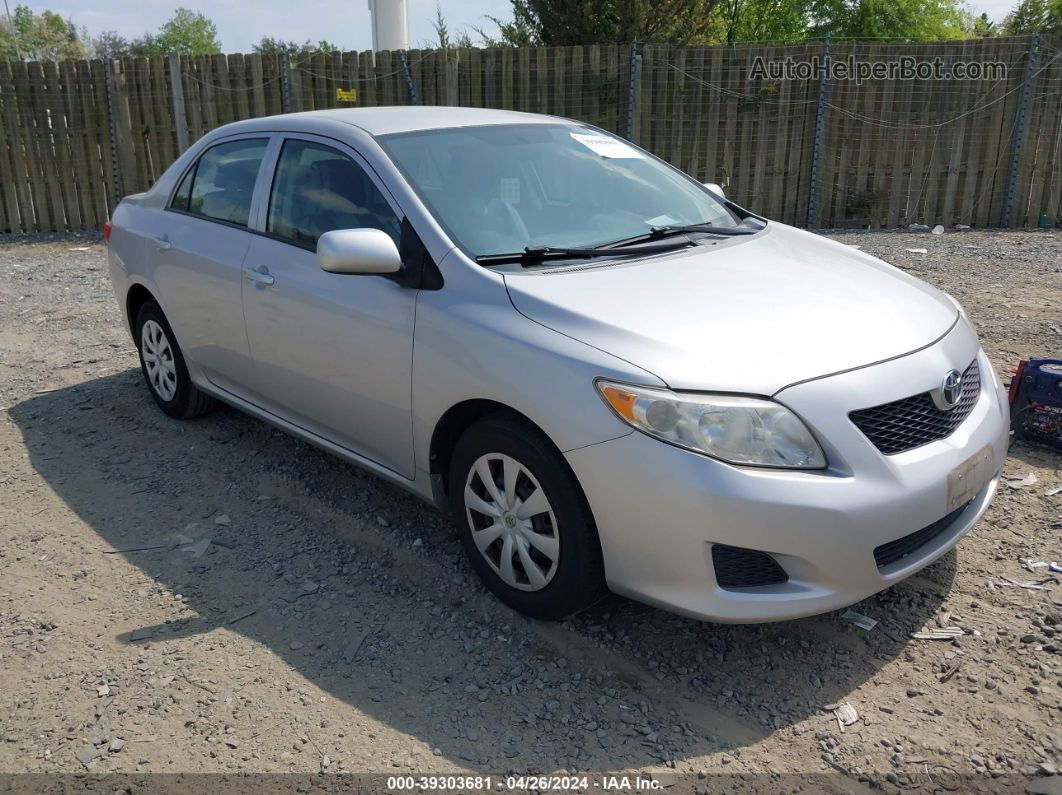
point(327, 622)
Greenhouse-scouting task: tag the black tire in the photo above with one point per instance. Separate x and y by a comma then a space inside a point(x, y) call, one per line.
point(579, 576)
point(187, 401)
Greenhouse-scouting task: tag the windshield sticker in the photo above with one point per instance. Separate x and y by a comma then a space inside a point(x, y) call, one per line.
point(662, 220)
point(607, 147)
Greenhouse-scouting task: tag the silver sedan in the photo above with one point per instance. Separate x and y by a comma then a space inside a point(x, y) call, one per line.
point(610, 375)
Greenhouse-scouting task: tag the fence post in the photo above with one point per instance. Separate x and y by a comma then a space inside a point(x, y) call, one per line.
point(410, 87)
point(123, 159)
point(180, 118)
point(820, 127)
point(116, 174)
point(453, 97)
point(1019, 129)
point(285, 83)
point(632, 90)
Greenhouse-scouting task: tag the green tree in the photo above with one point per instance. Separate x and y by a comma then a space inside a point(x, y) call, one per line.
point(40, 37)
point(187, 32)
point(448, 40)
point(110, 44)
point(1034, 16)
point(762, 20)
point(564, 22)
point(146, 44)
point(270, 46)
point(918, 20)
point(461, 40)
point(983, 27)
point(9, 48)
point(442, 30)
point(517, 32)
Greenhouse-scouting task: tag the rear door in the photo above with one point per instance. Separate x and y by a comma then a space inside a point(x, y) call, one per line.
point(198, 252)
point(332, 352)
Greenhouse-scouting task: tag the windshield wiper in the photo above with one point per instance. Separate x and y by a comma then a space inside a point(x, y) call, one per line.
point(535, 254)
point(658, 232)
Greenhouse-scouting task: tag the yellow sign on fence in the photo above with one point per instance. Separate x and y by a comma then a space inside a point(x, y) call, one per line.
point(346, 95)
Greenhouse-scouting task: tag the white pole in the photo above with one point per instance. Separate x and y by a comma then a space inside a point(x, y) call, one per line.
point(390, 28)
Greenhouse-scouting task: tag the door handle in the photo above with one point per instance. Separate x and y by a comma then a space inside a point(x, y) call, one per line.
point(163, 243)
point(259, 276)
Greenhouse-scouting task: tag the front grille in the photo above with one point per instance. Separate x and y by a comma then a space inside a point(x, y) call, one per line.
point(736, 567)
point(912, 422)
point(889, 553)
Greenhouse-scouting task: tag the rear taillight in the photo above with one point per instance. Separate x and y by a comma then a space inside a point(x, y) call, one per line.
point(107, 232)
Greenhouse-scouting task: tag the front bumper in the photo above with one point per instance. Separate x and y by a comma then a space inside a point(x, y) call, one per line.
point(660, 509)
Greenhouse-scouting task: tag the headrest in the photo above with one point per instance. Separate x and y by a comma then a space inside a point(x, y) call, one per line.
point(238, 175)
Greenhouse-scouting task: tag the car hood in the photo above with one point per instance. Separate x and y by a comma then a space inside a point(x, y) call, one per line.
point(750, 314)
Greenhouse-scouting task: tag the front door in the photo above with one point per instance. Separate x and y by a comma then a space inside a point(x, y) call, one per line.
point(332, 352)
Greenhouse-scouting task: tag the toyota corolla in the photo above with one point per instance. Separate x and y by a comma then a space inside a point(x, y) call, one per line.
point(611, 376)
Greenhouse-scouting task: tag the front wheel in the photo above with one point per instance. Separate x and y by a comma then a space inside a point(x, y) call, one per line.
point(524, 522)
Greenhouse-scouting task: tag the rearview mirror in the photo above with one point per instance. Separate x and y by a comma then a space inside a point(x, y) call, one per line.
point(358, 251)
point(714, 188)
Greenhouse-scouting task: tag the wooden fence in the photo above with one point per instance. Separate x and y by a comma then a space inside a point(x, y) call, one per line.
point(77, 135)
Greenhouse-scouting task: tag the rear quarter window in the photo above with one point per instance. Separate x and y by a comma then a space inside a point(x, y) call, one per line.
point(184, 191)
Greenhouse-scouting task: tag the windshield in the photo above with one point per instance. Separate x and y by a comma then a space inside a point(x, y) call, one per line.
point(499, 189)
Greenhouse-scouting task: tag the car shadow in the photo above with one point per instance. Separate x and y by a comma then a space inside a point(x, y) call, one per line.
point(361, 589)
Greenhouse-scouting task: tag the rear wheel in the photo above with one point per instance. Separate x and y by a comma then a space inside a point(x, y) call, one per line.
point(163, 366)
point(524, 522)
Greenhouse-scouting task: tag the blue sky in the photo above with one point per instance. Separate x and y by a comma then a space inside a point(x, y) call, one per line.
point(241, 23)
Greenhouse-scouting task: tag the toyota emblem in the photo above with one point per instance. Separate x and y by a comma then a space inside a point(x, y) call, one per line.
point(950, 390)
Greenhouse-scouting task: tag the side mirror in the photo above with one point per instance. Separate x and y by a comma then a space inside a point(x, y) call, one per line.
point(714, 188)
point(358, 251)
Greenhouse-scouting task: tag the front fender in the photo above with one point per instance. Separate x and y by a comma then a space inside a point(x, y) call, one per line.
point(471, 343)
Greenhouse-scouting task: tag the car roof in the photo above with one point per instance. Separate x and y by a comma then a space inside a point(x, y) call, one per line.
point(397, 119)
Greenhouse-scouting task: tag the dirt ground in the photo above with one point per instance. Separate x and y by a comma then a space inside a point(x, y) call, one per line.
point(217, 596)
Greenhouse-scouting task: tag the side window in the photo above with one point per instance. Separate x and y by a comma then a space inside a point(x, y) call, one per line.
point(317, 189)
point(221, 183)
point(184, 191)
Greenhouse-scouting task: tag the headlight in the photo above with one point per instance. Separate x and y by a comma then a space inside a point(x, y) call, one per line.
point(740, 430)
